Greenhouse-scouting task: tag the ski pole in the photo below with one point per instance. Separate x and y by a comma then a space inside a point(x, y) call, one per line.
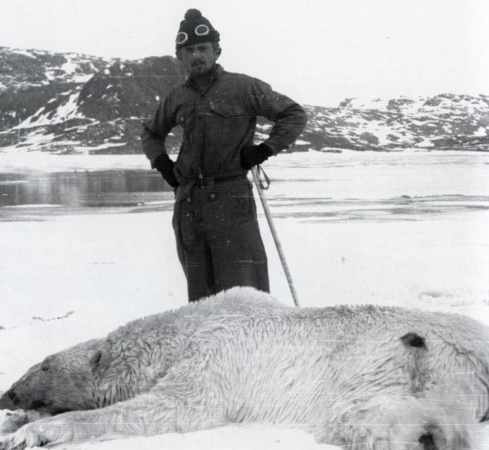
point(260, 187)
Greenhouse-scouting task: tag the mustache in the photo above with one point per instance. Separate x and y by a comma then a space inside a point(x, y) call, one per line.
point(197, 63)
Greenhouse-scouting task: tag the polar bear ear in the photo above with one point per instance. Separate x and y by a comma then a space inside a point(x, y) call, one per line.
point(100, 360)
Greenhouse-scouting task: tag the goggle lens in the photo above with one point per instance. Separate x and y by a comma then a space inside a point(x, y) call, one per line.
point(202, 30)
point(181, 38)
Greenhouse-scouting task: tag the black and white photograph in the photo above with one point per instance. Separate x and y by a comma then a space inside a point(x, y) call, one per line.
point(244, 225)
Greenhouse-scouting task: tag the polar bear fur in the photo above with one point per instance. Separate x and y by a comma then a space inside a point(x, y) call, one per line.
point(129, 361)
point(363, 377)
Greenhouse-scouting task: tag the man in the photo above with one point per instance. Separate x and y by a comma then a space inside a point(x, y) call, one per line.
point(215, 222)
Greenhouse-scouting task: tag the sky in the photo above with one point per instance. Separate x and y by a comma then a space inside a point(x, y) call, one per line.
point(318, 52)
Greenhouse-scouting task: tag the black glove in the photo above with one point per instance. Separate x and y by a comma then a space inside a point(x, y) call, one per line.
point(252, 156)
point(164, 165)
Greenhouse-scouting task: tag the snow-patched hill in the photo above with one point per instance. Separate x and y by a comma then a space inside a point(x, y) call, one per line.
point(70, 103)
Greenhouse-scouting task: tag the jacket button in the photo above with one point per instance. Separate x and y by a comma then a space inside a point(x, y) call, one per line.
point(188, 200)
point(213, 195)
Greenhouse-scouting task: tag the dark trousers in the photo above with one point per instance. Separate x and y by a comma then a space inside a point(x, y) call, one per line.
point(218, 238)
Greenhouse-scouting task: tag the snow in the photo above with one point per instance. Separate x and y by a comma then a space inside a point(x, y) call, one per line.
point(82, 78)
point(66, 111)
point(100, 147)
point(426, 143)
point(37, 205)
point(356, 103)
point(379, 130)
point(407, 228)
point(24, 52)
point(259, 135)
point(481, 132)
point(412, 108)
point(69, 67)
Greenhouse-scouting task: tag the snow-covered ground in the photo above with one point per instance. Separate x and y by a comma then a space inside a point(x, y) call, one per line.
point(404, 228)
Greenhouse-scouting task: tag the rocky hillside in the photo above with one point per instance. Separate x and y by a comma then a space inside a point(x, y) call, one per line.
point(69, 103)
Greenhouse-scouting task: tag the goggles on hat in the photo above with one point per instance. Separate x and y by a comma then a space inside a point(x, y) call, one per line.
point(200, 30)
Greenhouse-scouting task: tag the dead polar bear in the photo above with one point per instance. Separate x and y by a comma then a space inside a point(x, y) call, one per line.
point(364, 377)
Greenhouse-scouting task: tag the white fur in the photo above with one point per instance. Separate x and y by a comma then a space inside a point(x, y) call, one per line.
point(342, 373)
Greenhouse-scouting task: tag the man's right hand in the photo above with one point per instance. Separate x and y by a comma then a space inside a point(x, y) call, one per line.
point(164, 165)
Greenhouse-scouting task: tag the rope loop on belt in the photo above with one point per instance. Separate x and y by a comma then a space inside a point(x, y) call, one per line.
point(260, 172)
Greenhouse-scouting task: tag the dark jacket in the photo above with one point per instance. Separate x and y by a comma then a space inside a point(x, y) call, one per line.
point(219, 122)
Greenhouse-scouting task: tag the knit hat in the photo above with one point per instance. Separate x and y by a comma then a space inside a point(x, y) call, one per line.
point(195, 29)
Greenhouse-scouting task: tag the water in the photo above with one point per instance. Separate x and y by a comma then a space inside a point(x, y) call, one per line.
point(308, 186)
point(79, 191)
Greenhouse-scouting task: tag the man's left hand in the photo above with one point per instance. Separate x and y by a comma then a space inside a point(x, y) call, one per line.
point(254, 155)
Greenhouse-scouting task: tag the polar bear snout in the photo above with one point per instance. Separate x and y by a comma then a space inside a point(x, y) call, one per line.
point(11, 395)
point(10, 400)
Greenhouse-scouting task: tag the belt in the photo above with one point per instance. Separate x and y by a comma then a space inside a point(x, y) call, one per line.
point(183, 191)
point(214, 180)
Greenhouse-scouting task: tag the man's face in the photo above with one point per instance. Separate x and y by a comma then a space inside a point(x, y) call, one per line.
point(199, 59)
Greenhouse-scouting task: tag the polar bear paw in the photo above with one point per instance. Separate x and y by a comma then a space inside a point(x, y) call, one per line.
point(36, 434)
point(11, 421)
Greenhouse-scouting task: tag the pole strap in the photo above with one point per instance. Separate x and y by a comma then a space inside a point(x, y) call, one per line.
point(259, 173)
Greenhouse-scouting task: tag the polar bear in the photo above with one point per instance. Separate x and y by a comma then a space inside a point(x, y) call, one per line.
point(360, 377)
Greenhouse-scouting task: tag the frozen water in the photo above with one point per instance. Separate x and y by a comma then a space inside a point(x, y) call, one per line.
point(405, 228)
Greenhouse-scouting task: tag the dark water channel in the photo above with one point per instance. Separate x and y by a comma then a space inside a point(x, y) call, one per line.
point(83, 189)
point(36, 196)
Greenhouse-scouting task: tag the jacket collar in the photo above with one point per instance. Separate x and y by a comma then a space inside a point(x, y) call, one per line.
point(218, 71)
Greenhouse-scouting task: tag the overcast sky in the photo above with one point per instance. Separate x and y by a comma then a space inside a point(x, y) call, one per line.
point(316, 51)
